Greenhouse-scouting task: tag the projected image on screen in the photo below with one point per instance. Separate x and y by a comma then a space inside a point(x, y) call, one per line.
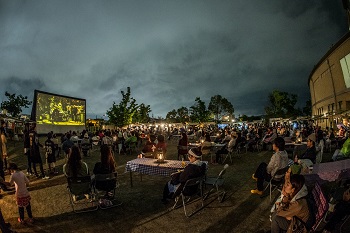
point(59, 110)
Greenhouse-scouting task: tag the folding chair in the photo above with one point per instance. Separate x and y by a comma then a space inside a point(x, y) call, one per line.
point(320, 152)
point(191, 188)
point(276, 183)
point(216, 183)
point(321, 206)
point(81, 194)
point(105, 187)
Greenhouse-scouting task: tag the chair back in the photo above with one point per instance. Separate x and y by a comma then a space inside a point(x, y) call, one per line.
point(321, 205)
point(192, 186)
point(280, 173)
point(223, 171)
point(106, 182)
point(79, 185)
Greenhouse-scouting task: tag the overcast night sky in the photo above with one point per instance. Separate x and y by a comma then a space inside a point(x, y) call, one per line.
point(167, 52)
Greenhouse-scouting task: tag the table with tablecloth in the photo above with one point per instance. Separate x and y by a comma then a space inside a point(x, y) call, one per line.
point(152, 167)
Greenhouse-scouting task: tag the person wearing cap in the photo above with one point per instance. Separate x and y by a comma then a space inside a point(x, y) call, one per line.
point(310, 152)
point(194, 169)
point(85, 144)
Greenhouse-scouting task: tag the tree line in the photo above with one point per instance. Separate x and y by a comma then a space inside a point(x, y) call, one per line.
point(128, 111)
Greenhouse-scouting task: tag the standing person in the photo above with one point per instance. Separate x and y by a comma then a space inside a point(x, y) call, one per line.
point(265, 171)
point(182, 148)
point(50, 154)
point(22, 195)
point(27, 148)
point(34, 151)
point(3, 143)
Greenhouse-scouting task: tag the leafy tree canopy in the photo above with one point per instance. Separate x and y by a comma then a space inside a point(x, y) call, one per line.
point(122, 114)
point(199, 112)
point(282, 104)
point(14, 104)
point(220, 107)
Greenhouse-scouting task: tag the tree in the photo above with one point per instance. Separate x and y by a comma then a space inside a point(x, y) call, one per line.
point(122, 114)
point(281, 104)
point(182, 114)
point(171, 116)
point(220, 106)
point(142, 114)
point(199, 112)
point(14, 104)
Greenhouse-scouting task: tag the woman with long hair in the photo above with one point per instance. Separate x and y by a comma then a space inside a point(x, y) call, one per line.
point(107, 163)
point(293, 204)
point(75, 167)
point(105, 168)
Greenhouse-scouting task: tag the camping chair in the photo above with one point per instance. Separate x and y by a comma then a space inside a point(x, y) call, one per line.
point(105, 187)
point(216, 183)
point(191, 188)
point(81, 194)
point(321, 206)
point(276, 183)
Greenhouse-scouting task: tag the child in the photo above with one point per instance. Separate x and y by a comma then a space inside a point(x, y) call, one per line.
point(50, 154)
point(22, 195)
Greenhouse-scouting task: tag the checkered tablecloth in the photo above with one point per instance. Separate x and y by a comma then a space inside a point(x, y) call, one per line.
point(151, 167)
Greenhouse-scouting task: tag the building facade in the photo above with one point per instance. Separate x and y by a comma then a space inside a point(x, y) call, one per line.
point(329, 84)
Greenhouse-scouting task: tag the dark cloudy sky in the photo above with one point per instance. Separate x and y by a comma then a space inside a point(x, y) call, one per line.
point(168, 52)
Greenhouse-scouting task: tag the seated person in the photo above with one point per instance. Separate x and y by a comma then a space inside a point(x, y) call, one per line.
point(265, 171)
point(292, 204)
point(75, 167)
point(344, 152)
point(150, 144)
point(226, 149)
point(104, 167)
point(310, 152)
point(195, 168)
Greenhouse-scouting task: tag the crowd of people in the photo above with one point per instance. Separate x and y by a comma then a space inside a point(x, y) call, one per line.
point(149, 140)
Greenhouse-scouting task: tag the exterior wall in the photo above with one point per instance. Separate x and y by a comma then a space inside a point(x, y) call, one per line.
point(330, 98)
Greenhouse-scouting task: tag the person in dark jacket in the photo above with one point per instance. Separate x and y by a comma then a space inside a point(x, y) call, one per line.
point(194, 169)
point(310, 152)
point(34, 152)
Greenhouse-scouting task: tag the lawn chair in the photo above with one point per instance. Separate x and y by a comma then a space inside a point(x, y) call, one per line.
point(192, 188)
point(276, 183)
point(216, 183)
point(105, 188)
point(81, 194)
